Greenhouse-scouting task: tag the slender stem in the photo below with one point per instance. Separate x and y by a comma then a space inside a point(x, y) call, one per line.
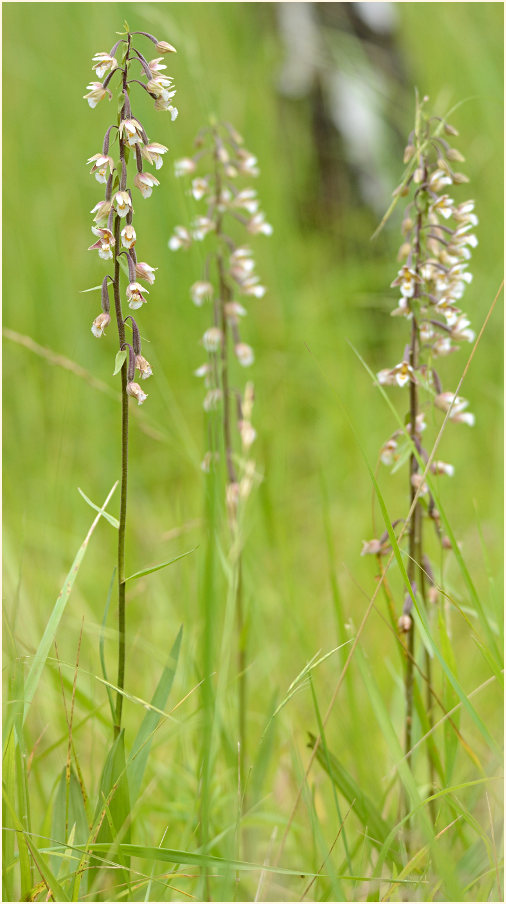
point(124, 459)
point(225, 295)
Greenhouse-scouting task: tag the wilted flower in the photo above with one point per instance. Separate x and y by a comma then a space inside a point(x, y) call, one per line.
point(143, 366)
point(133, 389)
point(99, 324)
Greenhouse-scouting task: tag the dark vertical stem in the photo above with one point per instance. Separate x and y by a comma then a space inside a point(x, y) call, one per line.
point(415, 574)
point(124, 456)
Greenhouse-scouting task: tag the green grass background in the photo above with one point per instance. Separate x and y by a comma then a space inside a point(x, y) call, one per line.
point(60, 432)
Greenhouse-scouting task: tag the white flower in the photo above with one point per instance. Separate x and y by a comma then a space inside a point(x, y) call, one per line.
point(135, 295)
point(180, 239)
point(103, 62)
point(105, 242)
point(438, 179)
point(233, 310)
point(442, 346)
point(200, 187)
point(443, 205)
point(244, 354)
point(406, 279)
point(160, 86)
point(400, 375)
point(99, 324)
point(212, 339)
point(96, 93)
point(145, 183)
point(460, 330)
point(153, 153)
point(100, 164)
point(247, 163)
point(247, 200)
point(200, 292)
point(201, 226)
point(133, 389)
point(122, 202)
point(203, 371)
point(128, 236)
point(248, 434)
point(442, 467)
point(155, 66)
point(258, 224)
point(387, 452)
point(133, 131)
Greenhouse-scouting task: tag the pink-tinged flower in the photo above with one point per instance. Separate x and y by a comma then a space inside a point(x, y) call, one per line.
point(426, 331)
point(99, 324)
point(105, 242)
point(103, 62)
point(461, 332)
point(155, 66)
point(153, 153)
point(101, 211)
point(400, 375)
point(122, 203)
point(96, 93)
point(184, 167)
point(388, 452)
point(134, 390)
point(145, 183)
point(442, 467)
point(405, 623)
point(372, 548)
point(180, 239)
point(200, 188)
point(443, 401)
point(258, 224)
point(143, 366)
point(200, 292)
point(212, 339)
point(443, 205)
point(442, 346)
point(165, 47)
point(100, 164)
point(128, 236)
point(244, 354)
point(144, 271)
point(201, 227)
point(135, 295)
point(133, 131)
point(406, 279)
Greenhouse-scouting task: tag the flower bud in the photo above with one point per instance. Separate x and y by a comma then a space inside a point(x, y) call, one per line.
point(165, 47)
point(404, 624)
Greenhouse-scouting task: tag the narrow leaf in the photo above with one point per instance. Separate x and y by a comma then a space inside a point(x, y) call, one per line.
point(140, 574)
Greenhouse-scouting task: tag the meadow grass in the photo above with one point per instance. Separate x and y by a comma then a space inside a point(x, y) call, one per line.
point(320, 422)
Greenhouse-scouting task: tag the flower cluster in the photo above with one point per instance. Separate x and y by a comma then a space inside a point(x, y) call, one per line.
point(113, 216)
point(229, 273)
point(434, 273)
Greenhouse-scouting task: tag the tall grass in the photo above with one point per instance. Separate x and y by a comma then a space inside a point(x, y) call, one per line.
point(69, 825)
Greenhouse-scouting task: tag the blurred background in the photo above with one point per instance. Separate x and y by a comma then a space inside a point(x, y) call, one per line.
point(324, 95)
